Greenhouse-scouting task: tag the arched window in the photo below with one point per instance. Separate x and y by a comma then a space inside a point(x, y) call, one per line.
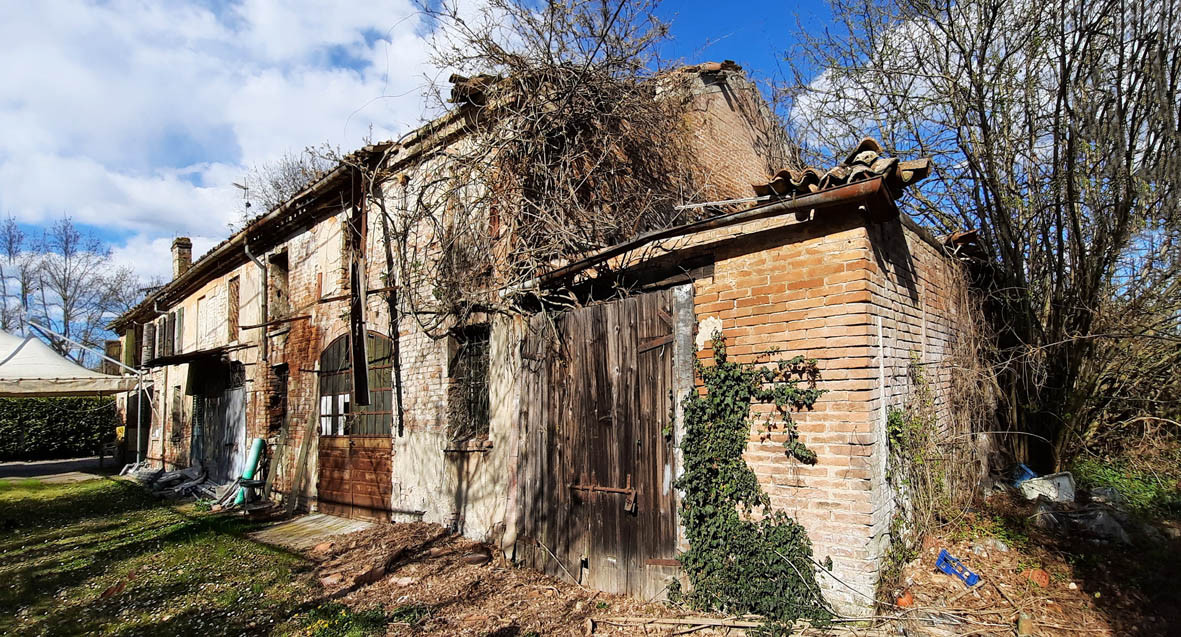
point(338, 416)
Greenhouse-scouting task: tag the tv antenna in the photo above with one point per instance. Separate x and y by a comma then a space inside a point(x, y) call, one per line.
point(245, 193)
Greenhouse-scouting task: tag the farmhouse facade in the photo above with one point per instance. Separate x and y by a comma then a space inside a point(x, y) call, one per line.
point(570, 445)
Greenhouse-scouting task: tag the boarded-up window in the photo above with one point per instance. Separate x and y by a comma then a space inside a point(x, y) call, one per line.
point(339, 416)
point(467, 403)
point(133, 345)
point(233, 306)
point(161, 338)
point(180, 330)
point(149, 338)
point(170, 334)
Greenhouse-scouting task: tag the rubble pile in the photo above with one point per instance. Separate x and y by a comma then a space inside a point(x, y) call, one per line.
point(188, 482)
point(1064, 568)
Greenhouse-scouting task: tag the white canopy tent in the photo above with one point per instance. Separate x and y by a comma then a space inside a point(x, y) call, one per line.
point(30, 368)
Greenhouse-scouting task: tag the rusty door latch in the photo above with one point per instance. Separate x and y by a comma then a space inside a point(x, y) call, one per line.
point(629, 504)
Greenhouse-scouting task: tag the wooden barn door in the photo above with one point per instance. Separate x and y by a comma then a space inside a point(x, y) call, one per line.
point(221, 425)
point(355, 469)
point(597, 497)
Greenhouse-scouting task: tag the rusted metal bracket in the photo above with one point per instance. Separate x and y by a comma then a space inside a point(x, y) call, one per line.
point(344, 297)
point(290, 319)
point(629, 504)
point(653, 343)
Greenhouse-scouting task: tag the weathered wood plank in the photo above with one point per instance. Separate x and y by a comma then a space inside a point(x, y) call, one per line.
point(594, 406)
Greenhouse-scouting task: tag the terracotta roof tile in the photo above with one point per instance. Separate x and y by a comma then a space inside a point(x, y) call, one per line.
point(865, 162)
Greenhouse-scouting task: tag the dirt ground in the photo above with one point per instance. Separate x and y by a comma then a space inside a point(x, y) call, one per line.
point(431, 582)
point(1066, 583)
point(419, 566)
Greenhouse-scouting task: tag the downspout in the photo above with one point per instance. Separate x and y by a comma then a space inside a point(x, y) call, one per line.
point(263, 347)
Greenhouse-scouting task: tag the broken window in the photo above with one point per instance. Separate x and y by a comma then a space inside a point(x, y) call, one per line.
point(233, 306)
point(279, 303)
point(339, 416)
point(178, 414)
point(277, 398)
point(467, 403)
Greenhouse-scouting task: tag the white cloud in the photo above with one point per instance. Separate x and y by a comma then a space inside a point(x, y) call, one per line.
point(152, 256)
point(138, 116)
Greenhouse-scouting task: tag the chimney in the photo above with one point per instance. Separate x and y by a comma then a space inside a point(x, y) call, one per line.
point(182, 256)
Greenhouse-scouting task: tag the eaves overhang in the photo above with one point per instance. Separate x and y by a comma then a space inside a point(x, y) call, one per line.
point(870, 197)
point(231, 253)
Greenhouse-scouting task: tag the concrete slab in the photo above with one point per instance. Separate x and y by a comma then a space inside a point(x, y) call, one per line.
point(307, 531)
point(41, 469)
point(67, 478)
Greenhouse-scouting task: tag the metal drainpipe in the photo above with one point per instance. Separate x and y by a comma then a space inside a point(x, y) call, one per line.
point(263, 347)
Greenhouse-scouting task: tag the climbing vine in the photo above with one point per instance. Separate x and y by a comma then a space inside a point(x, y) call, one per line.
point(928, 488)
point(738, 562)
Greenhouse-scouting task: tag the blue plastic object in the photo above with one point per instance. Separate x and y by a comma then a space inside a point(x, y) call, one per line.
point(1021, 474)
point(952, 566)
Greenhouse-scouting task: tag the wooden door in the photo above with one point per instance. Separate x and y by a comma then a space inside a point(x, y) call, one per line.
point(222, 427)
point(355, 477)
point(597, 497)
point(355, 446)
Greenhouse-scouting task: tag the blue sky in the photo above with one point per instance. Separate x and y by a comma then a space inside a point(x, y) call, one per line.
point(134, 118)
point(754, 33)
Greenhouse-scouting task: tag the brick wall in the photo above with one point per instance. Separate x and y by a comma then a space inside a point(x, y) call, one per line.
point(805, 290)
point(919, 308)
point(734, 135)
point(820, 289)
point(824, 288)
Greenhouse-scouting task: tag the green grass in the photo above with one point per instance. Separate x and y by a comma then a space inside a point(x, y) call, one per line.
point(980, 525)
point(183, 572)
point(337, 620)
point(1147, 494)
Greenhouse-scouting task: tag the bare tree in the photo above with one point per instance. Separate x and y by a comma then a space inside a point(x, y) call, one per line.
point(1055, 129)
point(76, 290)
point(272, 183)
point(568, 136)
point(18, 275)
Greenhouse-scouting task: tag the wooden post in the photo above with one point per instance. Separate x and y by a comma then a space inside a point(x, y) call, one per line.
point(302, 460)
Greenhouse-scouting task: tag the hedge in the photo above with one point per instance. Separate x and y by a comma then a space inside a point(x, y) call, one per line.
point(50, 428)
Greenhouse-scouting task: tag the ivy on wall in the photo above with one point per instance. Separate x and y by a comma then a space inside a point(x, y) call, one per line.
point(49, 428)
point(739, 562)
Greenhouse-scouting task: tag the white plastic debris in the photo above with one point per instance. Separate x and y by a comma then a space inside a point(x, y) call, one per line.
point(1057, 487)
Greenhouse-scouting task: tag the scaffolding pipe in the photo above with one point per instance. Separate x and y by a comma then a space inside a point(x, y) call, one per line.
point(139, 419)
point(139, 395)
